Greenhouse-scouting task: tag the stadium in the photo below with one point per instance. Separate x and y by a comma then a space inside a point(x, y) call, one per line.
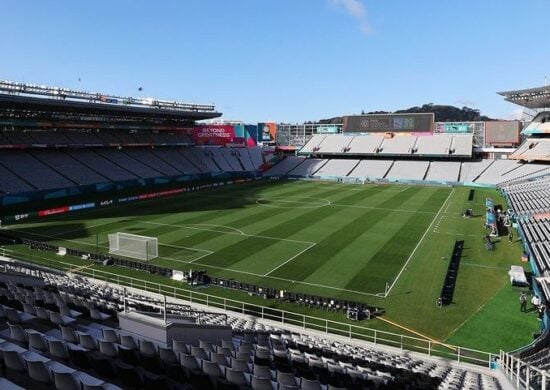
point(144, 244)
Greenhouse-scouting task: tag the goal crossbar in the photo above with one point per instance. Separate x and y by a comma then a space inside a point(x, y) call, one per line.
point(133, 246)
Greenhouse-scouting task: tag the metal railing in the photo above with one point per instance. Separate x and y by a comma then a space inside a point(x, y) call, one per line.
point(284, 317)
point(523, 375)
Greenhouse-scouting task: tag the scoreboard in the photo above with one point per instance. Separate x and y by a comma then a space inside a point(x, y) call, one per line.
point(384, 123)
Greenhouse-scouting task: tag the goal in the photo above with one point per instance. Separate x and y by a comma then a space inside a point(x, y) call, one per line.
point(134, 246)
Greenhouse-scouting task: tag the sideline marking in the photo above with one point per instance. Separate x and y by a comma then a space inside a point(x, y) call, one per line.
point(285, 199)
point(290, 259)
point(253, 274)
point(419, 242)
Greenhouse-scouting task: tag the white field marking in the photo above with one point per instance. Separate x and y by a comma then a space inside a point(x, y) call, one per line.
point(436, 227)
point(283, 199)
point(381, 208)
point(454, 234)
point(367, 187)
point(290, 280)
point(289, 259)
point(81, 229)
point(269, 277)
point(331, 204)
point(419, 242)
point(102, 245)
point(223, 232)
point(474, 313)
point(483, 266)
point(222, 226)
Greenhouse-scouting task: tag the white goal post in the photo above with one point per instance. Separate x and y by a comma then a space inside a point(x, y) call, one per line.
point(133, 245)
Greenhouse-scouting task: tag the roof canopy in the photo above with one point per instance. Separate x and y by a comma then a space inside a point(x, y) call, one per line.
point(531, 98)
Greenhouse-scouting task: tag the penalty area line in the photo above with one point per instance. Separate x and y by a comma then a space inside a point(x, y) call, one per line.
point(428, 230)
point(290, 259)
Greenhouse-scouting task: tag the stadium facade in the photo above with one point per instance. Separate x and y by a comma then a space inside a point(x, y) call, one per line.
point(58, 144)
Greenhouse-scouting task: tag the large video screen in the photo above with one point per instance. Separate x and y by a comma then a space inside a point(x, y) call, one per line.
point(502, 132)
point(395, 123)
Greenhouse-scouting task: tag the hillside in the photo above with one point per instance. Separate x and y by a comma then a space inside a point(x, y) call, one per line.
point(443, 113)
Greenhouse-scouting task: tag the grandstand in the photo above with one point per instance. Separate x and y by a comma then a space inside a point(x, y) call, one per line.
point(129, 140)
point(75, 317)
point(442, 145)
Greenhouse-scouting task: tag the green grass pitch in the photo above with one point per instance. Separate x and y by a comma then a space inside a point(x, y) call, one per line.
point(338, 240)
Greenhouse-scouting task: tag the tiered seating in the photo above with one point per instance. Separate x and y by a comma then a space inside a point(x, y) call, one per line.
point(337, 168)
point(530, 197)
point(244, 158)
point(408, 170)
point(284, 166)
point(256, 156)
point(195, 160)
point(471, 170)
point(366, 144)
point(33, 171)
point(314, 143)
point(96, 353)
point(95, 161)
point(541, 124)
point(71, 168)
point(206, 156)
point(373, 169)
point(497, 171)
point(537, 232)
point(11, 183)
point(397, 145)
point(533, 149)
point(93, 138)
point(230, 156)
point(147, 157)
point(308, 167)
point(433, 145)
point(335, 144)
point(128, 163)
point(83, 138)
point(462, 145)
point(443, 145)
point(443, 171)
point(176, 159)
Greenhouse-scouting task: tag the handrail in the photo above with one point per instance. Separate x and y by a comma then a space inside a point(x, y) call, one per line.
point(523, 375)
point(327, 326)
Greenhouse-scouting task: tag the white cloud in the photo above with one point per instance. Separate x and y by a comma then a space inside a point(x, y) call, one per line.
point(516, 114)
point(357, 10)
point(466, 102)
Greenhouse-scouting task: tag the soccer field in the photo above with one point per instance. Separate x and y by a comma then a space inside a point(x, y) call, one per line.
point(337, 240)
point(341, 238)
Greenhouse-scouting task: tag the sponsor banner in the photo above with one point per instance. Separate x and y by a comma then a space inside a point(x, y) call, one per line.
point(128, 199)
point(453, 127)
point(251, 135)
point(392, 123)
point(21, 217)
point(327, 130)
point(54, 211)
point(109, 202)
point(267, 131)
point(82, 206)
point(214, 135)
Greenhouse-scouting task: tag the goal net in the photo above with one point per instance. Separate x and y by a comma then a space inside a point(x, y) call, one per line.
point(133, 245)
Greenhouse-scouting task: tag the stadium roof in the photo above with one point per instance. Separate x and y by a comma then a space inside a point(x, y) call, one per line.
point(90, 108)
point(32, 97)
point(531, 98)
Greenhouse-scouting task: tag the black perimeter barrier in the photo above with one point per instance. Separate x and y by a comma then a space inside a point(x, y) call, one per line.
point(448, 288)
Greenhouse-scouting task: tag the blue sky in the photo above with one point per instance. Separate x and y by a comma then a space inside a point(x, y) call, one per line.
point(283, 60)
